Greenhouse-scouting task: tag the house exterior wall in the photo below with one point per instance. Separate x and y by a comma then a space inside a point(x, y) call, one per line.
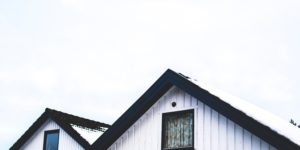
point(37, 140)
point(212, 130)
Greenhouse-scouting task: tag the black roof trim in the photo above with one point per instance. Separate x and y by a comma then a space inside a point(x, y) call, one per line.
point(78, 121)
point(64, 120)
point(162, 85)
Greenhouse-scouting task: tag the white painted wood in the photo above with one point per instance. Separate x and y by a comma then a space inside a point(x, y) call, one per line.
point(37, 140)
point(207, 127)
point(238, 136)
point(255, 142)
point(213, 131)
point(230, 135)
point(199, 126)
point(247, 140)
point(264, 145)
point(222, 131)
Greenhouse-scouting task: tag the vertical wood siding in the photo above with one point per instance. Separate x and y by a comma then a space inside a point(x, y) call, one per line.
point(213, 131)
point(66, 142)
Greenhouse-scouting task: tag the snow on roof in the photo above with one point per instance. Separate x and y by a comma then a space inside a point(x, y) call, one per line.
point(277, 124)
point(89, 130)
point(88, 134)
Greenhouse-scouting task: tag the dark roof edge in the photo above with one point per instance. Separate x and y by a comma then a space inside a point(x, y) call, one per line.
point(165, 82)
point(28, 133)
point(87, 121)
point(160, 86)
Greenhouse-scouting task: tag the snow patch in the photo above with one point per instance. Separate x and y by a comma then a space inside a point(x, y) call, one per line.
point(88, 134)
point(277, 124)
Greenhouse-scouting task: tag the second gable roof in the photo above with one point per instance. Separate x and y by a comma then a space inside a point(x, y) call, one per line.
point(67, 122)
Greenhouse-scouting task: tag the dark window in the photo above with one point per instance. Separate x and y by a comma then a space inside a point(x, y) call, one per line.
point(178, 130)
point(51, 140)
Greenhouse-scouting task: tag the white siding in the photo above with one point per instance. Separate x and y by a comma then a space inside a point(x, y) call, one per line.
point(65, 141)
point(213, 131)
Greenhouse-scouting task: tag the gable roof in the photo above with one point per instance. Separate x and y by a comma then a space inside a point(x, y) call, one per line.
point(235, 112)
point(69, 123)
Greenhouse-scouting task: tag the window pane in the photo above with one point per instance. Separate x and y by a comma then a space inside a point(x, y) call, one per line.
point(51, 141)
point(178, 129)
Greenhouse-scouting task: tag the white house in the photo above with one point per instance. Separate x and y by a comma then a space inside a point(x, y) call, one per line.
point(178, 113)
point(55, 130)
point(175, 113)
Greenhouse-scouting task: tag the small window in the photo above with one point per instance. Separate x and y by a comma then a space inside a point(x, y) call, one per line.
point(51, 140)
point(178, 130)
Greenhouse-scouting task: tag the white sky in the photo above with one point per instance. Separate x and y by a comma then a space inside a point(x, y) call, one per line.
point(94, 58)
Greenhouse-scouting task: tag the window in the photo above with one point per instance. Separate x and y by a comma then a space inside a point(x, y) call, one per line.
point(51, 140)
point(178, 130)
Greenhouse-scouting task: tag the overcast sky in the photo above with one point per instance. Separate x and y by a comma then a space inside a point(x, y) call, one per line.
point(94, 58)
